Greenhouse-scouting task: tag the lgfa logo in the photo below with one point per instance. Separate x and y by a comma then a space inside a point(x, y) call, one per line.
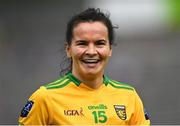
point(74, 112)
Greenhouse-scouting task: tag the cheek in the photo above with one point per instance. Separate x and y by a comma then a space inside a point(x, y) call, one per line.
point(77, 52)
point(104, 53)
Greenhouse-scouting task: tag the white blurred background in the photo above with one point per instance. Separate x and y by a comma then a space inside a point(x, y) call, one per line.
point(32, 34)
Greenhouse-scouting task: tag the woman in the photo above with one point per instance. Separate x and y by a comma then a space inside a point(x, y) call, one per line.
point(84, 95)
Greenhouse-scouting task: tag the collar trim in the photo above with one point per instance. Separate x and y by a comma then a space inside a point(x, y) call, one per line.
point(78, 82)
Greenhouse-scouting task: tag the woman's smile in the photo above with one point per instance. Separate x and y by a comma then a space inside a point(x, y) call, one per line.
point(91, 63)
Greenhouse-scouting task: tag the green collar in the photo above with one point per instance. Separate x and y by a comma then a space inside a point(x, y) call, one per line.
point(78, 82)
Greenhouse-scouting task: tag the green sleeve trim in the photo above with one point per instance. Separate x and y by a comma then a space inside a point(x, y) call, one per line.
point(59, 85)
point(120, 85)
point(56, 82)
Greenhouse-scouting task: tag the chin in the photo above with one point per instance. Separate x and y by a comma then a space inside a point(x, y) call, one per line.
point(92, 72)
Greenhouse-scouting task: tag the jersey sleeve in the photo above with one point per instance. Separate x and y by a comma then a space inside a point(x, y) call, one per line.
point(35, 112)
point(139, 117)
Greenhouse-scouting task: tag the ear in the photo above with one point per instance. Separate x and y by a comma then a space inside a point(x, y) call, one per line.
point(68, 50)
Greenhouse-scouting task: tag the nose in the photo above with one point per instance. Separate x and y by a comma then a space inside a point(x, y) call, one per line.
point(91, 49)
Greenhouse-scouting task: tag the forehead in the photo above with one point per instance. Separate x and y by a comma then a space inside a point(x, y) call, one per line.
point(90, 27)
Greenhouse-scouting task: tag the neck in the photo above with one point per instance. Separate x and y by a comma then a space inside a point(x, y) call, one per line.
point(92, 81)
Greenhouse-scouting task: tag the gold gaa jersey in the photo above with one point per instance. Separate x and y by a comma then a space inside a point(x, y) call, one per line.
point(68, 101)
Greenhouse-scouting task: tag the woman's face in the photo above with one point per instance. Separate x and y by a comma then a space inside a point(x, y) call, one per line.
point(90, 48)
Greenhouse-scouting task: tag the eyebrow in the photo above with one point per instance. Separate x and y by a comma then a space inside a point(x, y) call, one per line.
point(102, 40)
point(81, 40)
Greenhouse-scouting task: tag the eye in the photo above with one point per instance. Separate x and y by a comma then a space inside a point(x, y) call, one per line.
point(101, 42)
point(81, 42)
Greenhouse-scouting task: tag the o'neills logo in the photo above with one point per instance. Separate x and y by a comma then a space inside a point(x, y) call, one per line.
point(74, 112)
point(100, 106)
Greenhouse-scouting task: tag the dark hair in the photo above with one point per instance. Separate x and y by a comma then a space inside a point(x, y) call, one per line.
point(89, 15)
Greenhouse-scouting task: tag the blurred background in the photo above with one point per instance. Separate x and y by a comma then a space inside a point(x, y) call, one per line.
point(146, 55)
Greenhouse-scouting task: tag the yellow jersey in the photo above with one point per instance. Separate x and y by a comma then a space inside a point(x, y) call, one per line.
point(68, 101)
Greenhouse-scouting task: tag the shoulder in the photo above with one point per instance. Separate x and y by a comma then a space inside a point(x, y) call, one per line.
point(46, 90)
point(39, 94)
point(59, 83)
point(43, 91)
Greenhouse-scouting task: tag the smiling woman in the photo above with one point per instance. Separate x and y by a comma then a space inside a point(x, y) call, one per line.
point(84, 95)
point(90, 51)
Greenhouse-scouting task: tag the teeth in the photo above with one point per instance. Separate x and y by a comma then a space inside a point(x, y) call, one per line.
point(90, 61)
